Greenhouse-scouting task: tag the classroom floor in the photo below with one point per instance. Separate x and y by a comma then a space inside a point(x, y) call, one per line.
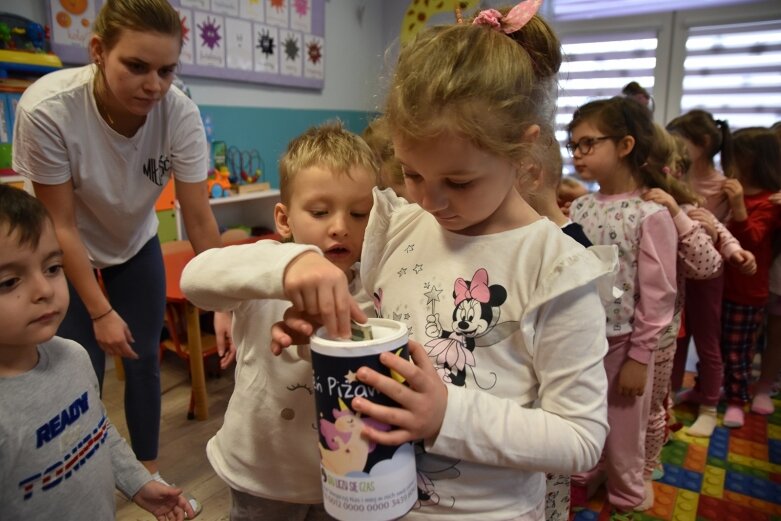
point(733, 476)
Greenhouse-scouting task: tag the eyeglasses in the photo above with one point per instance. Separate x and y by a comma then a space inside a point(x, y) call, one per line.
point(586, 144)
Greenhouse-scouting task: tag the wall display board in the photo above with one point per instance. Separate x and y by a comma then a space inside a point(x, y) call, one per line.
point(278, 42)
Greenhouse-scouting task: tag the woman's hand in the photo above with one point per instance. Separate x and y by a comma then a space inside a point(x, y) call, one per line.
point(114, 336)
point(423, 401)
point(659, 196)
point(226, 349)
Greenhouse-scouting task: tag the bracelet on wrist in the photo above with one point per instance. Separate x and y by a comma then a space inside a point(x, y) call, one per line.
point(102, 315)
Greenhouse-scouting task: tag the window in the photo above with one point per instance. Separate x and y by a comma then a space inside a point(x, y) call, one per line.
point(725, 59)
point(734, 72)
point(596, 9)
point(599, 67)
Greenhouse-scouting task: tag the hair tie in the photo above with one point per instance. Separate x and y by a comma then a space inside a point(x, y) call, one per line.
point(516, 18)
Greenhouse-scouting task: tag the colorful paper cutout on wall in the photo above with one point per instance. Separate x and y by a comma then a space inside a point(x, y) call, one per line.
point(281, 42)
point(420, 12)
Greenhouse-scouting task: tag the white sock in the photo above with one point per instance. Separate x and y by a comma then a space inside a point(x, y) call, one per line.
point(705, 422)
point(648, 502)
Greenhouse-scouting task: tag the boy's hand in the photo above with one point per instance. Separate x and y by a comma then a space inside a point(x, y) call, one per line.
point(114, 336)
point(707, 221)
point(659, 196)
point(632, 378)
point(296, 327)
point(164, 502)
point(745, 261)
point(226, 349)
point(318, 288)
point(423, 401)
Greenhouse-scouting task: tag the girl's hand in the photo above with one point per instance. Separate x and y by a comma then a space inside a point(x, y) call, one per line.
point(318, 288)
point(226, 349)
point(423, 402)
point(565, 208)
point(114, 336)
point(775, 198)
point(745, 261)
point(632, 378)
point(164, 502)
point(659, 196)
point(707, 221)
point(734, 192)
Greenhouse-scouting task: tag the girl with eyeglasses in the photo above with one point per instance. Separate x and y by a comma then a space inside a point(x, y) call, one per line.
point(611, 141)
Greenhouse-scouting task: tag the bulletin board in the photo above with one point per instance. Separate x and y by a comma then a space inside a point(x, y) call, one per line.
point(278, 42)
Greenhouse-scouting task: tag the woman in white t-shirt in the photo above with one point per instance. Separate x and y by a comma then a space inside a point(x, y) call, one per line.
point(98, 144)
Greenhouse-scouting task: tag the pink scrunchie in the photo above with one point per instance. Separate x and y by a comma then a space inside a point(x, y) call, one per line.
point(516, 18)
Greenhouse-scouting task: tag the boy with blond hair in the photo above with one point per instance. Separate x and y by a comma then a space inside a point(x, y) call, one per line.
point(60, 456)
point(266, 450)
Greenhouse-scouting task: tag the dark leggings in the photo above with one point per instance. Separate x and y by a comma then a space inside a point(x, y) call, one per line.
point(136, 290)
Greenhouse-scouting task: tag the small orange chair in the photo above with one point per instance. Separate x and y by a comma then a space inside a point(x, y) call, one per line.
point(182, 320)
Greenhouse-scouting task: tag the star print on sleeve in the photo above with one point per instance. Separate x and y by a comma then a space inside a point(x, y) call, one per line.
point(410, 248)
point(402, 272)
point(418, 268)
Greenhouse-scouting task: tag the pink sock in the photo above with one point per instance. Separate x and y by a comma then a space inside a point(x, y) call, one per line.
point(762, 404)
point(734, 416)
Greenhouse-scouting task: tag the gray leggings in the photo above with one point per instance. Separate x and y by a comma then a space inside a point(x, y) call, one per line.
point(246, 507)
point(136, 290)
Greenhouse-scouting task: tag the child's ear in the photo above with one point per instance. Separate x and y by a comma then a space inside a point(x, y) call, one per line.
point(531, 134)
point(625, 146)
point(281, 219)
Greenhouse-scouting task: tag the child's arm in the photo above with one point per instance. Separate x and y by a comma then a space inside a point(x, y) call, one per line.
point(133, 480)
point(166, 503)
point(734, 192)
point(223, 278)
point(564, 434)
point(755, 229)
point(656, 289)
point(698, 255)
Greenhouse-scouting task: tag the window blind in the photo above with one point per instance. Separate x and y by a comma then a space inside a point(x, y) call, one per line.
point(734, 72)
point(598, 66)
point(564, 10)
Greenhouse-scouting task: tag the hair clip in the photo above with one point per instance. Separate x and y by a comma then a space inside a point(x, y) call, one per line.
point(516, 18)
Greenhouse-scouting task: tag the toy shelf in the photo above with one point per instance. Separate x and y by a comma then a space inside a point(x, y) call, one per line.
point(27, 62)
point(251, 209)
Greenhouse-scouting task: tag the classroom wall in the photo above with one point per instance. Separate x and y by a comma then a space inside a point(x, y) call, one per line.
point(266, 117)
